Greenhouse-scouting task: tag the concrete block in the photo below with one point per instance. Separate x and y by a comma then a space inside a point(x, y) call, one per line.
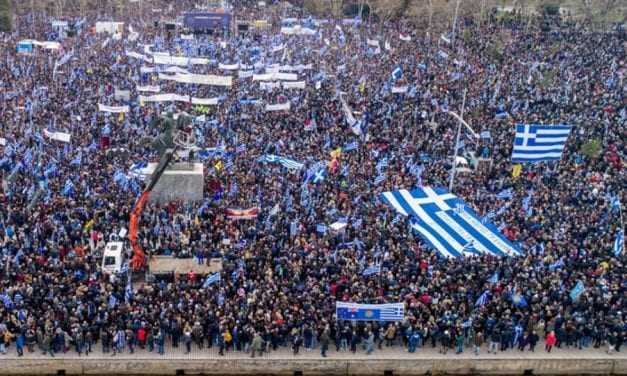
point(179, 182)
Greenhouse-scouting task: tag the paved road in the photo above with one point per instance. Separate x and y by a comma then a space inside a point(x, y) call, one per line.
point(385, 353)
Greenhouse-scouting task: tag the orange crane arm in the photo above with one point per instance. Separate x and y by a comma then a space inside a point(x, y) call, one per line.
point(139, 257)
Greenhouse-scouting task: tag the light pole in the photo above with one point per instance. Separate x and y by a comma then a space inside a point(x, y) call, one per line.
point(455, 22)
point(459, 129)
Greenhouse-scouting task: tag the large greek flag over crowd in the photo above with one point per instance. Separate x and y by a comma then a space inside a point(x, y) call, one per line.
point(447, 224)
point(536, 142)
point(369, 312)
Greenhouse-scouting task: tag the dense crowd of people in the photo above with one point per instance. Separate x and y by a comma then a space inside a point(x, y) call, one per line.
point(62, 202)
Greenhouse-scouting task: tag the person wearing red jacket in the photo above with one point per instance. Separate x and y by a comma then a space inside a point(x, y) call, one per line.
point(141, 337)
point(550, 341)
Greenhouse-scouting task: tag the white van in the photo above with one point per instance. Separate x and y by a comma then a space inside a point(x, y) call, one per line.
point(113, 257)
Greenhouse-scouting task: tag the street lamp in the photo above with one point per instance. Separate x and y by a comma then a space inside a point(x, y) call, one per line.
point(459, 129)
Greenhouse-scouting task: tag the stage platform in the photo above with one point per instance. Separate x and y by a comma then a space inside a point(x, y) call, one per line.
point(169, 264)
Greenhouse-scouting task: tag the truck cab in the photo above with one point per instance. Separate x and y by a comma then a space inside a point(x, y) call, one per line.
point(113, 257)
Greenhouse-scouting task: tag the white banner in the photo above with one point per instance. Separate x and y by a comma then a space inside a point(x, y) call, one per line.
point(3, 141)
point(199, 79)
point(165, 98)
point(176, 70)
point(109, 27)
point(59, 136)
point(275, 77)
point(112, 109)
point(138, 56)
point(399, 89)
point(178, 60)
point(46, 45)
point(297, 30)
point(269, 86)
point(122, 95)
point(273, 69)
point(245, 74)
point(405, 38)
point(206, 101)
point(350, 119)
point(145, 70)
point(278, 107)
point(294, 85)
point(228, 66)
point(150, 89)
point(373, 42)
point(187, 36)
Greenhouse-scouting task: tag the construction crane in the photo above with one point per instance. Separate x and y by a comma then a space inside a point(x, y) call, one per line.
point(176, 133)
point(139, 257)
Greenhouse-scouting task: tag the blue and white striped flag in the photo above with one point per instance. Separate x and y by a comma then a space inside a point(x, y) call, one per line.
point(286, 162)
point(556, 265)
point(112, 301)
point(350, 147)
point(240, 148)
point(381, 164)
point(615, 203)
point(128, 292)
point(577, 291)
point(619, 243)
point(433, 215)
point(373, 269)
point(6, 300)
point(483, 299)
point(379, 179)
point(494, 279)
point(321, 228)
point(77, 160)
point(536, 142)
point(211, 279)
point(68, 188)
point(504, 194)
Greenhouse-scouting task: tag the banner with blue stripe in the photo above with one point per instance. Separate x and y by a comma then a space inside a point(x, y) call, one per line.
point(448, 224)
point(370, 312)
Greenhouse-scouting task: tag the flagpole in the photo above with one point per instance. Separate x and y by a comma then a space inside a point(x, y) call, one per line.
point(459, 129)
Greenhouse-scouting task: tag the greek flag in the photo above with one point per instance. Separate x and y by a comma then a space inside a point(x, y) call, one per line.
point(494, 279)
point(577, 291)
point(382, 164)
point(128, 292)
point(519, 300)
point(349, 147)
point(615, 203)
point(447, 227)
point(483, 299)
point(504, 194)
point(211, 279)
point(112, 301)
point(286, 162)
point(619, 242)
point(68, 188)
point(369, 312)
point(397, 73)
point(373, 269)
point(537, 142)
point(556, 265)
point(6, 300)
point(379, 179)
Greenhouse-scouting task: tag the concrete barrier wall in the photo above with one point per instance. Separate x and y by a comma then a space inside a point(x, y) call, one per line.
point(453, 366)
